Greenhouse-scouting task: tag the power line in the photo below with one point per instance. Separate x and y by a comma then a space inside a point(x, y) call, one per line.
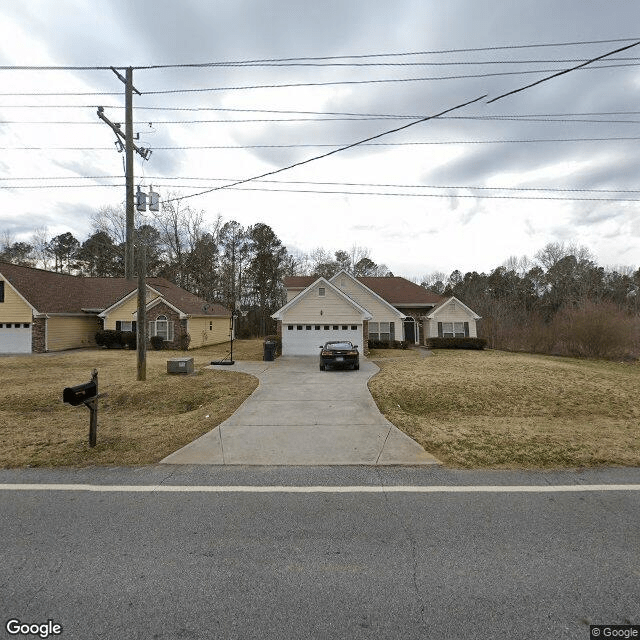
point(329, 145)
point(328, 119)
point(316, 84)
point(428, 195)
point(297, 164)
point(347, 192)
point(422, 63)
point(322, 183)
point(559, 73)
point(291, 85)
point(387, 55)
point(334, 151)
point(308, 58)
point(320, 113)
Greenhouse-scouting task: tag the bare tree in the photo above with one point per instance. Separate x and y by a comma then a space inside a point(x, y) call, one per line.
point(553, 252)
point(298, 263)
point(40, 242)
point(7, 238)
point(181, 227)
point(113, 221)
point(434, 281)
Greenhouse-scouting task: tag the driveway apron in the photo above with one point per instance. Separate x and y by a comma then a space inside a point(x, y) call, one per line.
point(300, 415)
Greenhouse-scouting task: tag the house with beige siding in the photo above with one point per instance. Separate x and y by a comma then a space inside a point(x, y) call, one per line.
point(44, 311)
point(367, 308)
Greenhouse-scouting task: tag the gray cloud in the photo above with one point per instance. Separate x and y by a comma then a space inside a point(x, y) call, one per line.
point(122, 32)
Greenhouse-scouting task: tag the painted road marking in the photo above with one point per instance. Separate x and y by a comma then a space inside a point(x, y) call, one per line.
point(149, 488)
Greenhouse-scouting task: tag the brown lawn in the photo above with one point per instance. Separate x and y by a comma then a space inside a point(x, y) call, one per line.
point(510, 410)
point(138, 423)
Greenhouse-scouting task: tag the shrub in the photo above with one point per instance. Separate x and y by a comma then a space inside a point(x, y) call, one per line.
point(388, 344)
point(456, 343)
point(278, 341)
point(129, 339)
point(185, 341)
point(157, 342)
point(109, 338)
point(595, 330)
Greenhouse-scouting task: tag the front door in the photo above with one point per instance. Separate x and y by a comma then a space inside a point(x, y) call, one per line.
point(410, 330)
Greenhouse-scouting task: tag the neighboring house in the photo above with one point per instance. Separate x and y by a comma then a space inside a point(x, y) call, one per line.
point(44, 311)
point(367, 308)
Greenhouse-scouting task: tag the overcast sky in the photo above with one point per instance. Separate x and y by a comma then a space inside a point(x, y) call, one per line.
point(579, 131)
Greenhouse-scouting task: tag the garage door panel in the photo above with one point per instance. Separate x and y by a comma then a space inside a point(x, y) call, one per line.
point(302, 341)
point(15, 337)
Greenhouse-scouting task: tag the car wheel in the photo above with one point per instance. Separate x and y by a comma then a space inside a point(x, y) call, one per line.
point(356, 367)
point(321, 367)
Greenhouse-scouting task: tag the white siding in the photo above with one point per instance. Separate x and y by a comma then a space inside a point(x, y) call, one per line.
point(380, 311)
point(327, 309)
point(450, 312)
point(292, 293)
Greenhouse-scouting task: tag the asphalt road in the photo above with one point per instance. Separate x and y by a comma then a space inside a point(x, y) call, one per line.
point(373, 563)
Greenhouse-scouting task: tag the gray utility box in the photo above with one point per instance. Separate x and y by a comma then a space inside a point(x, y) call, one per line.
point(180, 365)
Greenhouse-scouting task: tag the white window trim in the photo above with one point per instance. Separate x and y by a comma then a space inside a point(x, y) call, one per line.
point(380, 331)
point(158, 323)
point(453, 329)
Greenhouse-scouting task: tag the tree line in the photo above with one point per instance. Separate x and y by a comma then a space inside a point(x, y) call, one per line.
point(221, 261)
point(560, 302)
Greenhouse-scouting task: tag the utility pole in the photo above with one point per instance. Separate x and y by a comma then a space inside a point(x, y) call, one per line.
point(141, 326)
point(129, 147)
point(128, 132)
point(129, 257)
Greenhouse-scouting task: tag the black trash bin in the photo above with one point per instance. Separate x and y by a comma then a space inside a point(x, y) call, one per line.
point(269, 351)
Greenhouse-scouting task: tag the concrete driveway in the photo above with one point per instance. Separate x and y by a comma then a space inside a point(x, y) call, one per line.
point(300, 415)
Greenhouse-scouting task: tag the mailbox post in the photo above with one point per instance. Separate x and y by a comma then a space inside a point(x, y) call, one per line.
point(86, 394)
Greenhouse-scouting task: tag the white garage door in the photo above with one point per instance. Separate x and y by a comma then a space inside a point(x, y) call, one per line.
point(15, 337)
point(305, 339)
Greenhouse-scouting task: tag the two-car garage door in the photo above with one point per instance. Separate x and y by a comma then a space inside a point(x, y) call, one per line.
point(305, 339)
point(15, 337)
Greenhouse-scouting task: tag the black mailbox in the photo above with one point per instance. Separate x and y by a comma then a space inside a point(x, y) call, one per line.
point(78, 394)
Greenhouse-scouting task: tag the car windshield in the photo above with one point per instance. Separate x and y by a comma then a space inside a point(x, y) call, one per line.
point(338, 345)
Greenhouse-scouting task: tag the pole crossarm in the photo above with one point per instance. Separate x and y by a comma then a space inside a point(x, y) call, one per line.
point(115, 126)
point(124, 80)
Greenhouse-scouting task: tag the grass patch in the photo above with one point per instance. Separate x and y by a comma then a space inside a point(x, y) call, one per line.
point(138, 422)
point(510, 410)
